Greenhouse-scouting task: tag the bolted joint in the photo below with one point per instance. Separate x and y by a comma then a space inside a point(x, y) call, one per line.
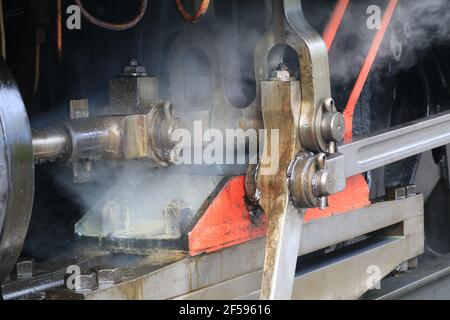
point(323, 183)
point(332, 122)
point(86, 282)
point(301, 174)
point(134, 69)
point(150, 135)
point(177, 215)
point(25, 268)
point(326, 127)
point(281, 75)
point(309, 181)
point(161, 125)
point(333, 126)
point(108, 275)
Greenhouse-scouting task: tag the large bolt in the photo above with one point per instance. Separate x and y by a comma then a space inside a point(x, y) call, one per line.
point(25, 268)
point(396, 193)
point(333, 125)
point(85, 282)
point(301, 174)
point(323, 183)
point(176, 217)
point(412, 263)
point(108, 275)
point(331, 122)
point(134, 69)
point(411, 190)
point(323, 203)
point(281, 73)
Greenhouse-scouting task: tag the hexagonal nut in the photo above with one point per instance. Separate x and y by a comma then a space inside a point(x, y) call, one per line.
point(25, 268)
point(281, 75)
point(396, 193)
point(134, 69)
point(108, 275)
point(411, 190)
point(85, 282)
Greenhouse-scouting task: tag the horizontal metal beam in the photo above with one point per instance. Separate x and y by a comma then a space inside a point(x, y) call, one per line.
point(340, 277)
point(341, 227)
point(385, 147)
point(430, 280)
point(246, 260)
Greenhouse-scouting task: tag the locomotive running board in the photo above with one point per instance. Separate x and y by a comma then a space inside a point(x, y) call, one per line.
point(235, 273)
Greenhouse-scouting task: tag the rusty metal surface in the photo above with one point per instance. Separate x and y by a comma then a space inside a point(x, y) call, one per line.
point(235, 273)
point(281, 113)
point(314, 73)
point(341, 277)
point(305, 122)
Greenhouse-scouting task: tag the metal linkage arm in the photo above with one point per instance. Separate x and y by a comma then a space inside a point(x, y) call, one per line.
point(306, 118)
point(388, 146)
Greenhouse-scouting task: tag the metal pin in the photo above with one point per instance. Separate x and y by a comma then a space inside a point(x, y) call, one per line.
point(323, 203)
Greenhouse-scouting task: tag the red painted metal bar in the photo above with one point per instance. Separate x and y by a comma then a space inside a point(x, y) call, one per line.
point(335, 21)
point(365, 70)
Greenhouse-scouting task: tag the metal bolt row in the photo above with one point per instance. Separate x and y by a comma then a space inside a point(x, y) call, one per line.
point(398, 193)
point(97, 278)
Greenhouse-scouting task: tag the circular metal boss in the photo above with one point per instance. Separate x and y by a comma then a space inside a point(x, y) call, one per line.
point(16, 172)
point(301, 175)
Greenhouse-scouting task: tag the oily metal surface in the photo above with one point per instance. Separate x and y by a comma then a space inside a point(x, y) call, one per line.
point(294, 113)
point(315, 75)
point(281, 111)
point(16, 172)
point(239, 268)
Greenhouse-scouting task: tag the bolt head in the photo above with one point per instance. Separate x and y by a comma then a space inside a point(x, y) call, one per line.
point(85, 282)
point(302, 177)
point(324, 183)
point(411, 190)
point(396, 193)
point(110, 275)
point(25, 268)
point(333, 126)
point(134, 69)
point(281, 75)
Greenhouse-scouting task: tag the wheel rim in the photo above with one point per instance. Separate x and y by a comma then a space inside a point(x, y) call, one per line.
point(16, 172)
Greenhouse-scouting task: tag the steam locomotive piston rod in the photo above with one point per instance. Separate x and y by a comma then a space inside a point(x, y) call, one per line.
point(142, 133)
point(141, 136)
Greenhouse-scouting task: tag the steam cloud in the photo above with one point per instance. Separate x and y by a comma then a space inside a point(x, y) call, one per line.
point(417, 26)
